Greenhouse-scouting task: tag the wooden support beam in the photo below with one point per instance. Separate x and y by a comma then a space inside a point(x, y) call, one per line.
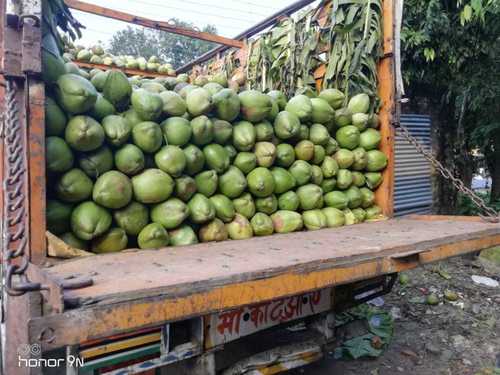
point(158, 25)
point(129, 72)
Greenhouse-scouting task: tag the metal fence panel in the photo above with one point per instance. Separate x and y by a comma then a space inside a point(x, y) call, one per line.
point(413, 188)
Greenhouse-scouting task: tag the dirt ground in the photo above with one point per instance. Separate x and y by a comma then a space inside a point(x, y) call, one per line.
point(451, 338)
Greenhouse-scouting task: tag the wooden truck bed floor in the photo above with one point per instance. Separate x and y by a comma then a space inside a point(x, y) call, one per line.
point(136, 289)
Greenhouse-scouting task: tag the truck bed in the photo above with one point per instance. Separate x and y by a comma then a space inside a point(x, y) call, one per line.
point(137, 288)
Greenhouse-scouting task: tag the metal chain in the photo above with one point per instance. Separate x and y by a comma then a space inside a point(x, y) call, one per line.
point(490, 215)
point(15, 236)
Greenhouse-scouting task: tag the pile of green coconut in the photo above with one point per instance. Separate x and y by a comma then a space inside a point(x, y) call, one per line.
point(97, 55)
point(153, 163)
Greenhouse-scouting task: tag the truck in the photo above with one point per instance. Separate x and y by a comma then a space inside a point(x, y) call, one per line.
point(257, 306)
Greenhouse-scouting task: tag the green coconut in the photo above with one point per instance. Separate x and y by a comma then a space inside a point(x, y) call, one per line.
point(183, 236)
point(102, 108)
point(265, 153)
point(173, 104)
point(261, 182)
point(285, 155)
point(176, 131)
point(171, 159)
point(112, 189)
point(55, 118)
point(185, 187)
point(262, 224)
point(245, 205)
point(301, 106)
point(152, 186)
point(203, 130)
point(344, 158)
point(214, 230)
point(170, 214)
point(89, 220)
point(314, 219)
point(59, 157)
point(334, 97)
point(334, 217)
point(148, 105)
point(264, 131)
point(289, 201)
point(245, 161)
point(328, 184)
point(216, 157)
point(240, 228)
point(244, 136)
point(376, 161)
point(195, 160)
point(74, 186)
point(226, 104)
point(255, 106)
point(206, 182)
point(310, 196)
point(224, 207)
point(223, 131)
point(267, 205)
point(370, 139)
point(344, 179)
point(129, 159)
point(232, 183)
point(153, 236)
point(147, 136)
point(286, 125)
point(198, 102)
point(75, 94)
point(359, 103)
point(112, 241)
point(83, 133)
point(58, 216)
point(117, 90)
point(285, 221)
point(336, 199)
point(319, 155)
point(348, 137)
point(322, 112)
point(132, 218)
point(301, 171)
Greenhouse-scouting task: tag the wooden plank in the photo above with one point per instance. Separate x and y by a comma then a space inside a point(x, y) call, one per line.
point(384, 195)
point(145, 288)
point(157, 25)
point(476, 219)
point(129, 72)
point(36, 160)
point(229, 261)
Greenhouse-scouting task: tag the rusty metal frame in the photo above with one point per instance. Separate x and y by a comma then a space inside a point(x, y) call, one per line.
point(157, 25)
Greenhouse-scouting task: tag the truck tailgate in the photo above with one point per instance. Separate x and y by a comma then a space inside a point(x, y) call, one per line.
point(135, 289)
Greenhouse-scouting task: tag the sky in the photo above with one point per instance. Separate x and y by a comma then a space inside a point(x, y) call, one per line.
point(229, 16)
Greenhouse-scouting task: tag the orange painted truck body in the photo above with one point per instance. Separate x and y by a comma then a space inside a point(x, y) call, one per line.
point(131, 297)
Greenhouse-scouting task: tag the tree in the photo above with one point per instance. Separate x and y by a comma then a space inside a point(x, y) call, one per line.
point(450, 57)
point(172, 48)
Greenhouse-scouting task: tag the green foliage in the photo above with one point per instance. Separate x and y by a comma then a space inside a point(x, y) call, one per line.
point(355, 36)
point(172, 48)
point(283, 58)
point(450, 58)
point(467, 208)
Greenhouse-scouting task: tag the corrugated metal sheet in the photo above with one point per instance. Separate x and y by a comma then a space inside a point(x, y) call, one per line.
point(412, 191)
